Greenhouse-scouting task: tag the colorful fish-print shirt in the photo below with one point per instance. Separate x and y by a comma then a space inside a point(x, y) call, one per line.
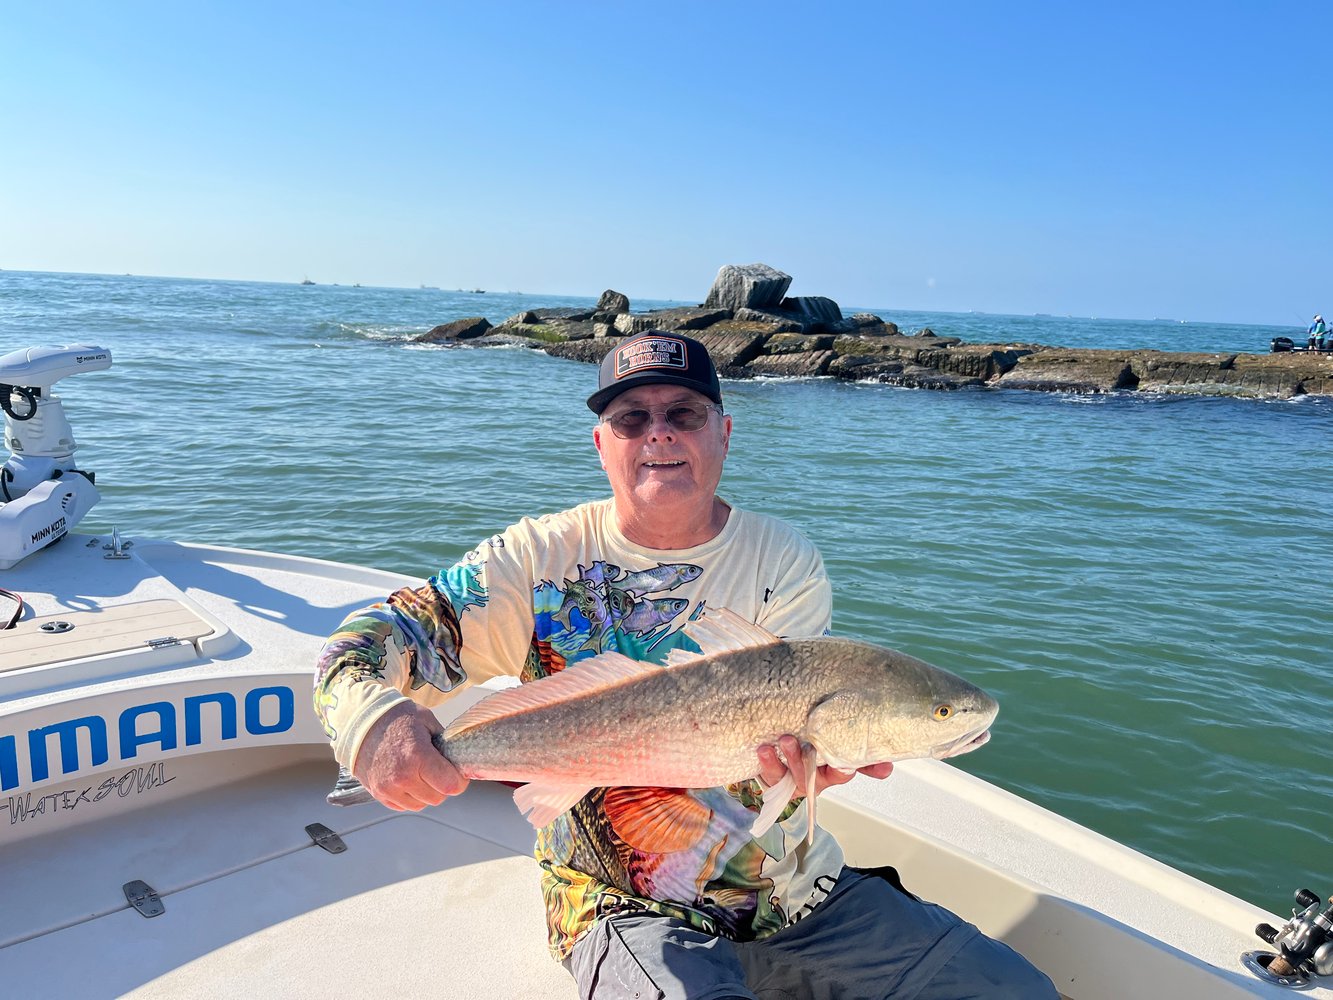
point(549, 592)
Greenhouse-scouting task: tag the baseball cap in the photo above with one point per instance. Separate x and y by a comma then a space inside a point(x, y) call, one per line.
point(655, 358)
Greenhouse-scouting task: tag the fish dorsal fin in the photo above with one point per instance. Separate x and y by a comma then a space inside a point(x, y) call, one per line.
point(721, 631)
point(597, 673)
point(679, 657)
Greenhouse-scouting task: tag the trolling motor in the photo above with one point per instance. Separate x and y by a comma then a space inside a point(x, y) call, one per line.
point(1304, 945)
point(42, 494)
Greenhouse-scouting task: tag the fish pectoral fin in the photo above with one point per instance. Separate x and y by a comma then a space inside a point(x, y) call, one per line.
point(776, 798)
point(542, 803)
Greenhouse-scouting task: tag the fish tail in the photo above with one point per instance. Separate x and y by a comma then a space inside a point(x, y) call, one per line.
point(347, 791)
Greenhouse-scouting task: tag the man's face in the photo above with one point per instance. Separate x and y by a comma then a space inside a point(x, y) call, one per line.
point(665, 467)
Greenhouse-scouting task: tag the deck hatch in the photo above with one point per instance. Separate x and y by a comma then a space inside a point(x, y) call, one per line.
point(73, 635)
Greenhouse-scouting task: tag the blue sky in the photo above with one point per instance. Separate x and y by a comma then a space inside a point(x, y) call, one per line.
point(1122, 160)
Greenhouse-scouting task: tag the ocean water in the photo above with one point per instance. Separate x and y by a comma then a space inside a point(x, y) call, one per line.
point(1144, 583)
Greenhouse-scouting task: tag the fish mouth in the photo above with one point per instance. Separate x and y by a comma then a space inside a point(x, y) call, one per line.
point(964, 744)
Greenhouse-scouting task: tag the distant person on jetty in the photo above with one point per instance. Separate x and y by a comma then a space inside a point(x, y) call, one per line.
point(652, 892)
point(1318, 334)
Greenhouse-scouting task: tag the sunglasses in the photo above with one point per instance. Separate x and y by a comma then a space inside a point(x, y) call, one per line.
point(630, 424)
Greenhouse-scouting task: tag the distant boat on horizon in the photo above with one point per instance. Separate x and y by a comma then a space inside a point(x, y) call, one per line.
point(306, 281)
point(430, 288)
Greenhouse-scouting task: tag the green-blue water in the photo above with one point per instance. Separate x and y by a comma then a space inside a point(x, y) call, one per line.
point(1143, 582)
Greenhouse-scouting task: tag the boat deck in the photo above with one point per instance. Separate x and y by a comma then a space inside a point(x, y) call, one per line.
point(443, 903)
point(416, 905)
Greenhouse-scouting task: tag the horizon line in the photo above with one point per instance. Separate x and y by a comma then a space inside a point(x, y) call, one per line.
point(304, 282)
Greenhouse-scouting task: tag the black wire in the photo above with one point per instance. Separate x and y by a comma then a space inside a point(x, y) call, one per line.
point(7, 475)
point(7, 404)
point(18, 607)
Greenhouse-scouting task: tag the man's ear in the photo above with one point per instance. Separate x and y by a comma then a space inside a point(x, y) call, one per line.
point(597, 443)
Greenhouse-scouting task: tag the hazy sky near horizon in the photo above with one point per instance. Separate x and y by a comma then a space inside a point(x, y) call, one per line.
point(1133, 160)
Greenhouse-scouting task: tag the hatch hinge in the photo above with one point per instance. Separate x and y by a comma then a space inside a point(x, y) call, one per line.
point(144, 898)
point(326, 838)
point(166, 640)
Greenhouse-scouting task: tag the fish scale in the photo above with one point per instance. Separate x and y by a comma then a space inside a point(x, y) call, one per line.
point(690, 726)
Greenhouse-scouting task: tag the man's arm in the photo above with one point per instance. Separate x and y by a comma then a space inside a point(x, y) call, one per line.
point(411, 642)
point(367, 676)
point(379, 675)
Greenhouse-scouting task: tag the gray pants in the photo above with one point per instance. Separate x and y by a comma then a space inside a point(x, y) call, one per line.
point(868, 939)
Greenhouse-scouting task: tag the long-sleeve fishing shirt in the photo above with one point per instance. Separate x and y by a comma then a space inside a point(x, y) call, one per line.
point(549, 592)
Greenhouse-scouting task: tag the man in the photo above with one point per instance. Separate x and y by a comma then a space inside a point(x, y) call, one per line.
point(1318, 333)
point(645, 898)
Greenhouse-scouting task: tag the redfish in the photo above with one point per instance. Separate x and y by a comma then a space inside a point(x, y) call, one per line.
point(698, 721)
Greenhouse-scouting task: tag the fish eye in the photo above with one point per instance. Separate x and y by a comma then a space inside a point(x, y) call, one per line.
point(943, 711)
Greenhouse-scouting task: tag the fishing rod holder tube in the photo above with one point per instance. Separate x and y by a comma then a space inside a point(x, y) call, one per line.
point(1304, 945)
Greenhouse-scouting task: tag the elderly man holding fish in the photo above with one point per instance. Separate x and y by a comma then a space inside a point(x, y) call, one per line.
point(682, 709)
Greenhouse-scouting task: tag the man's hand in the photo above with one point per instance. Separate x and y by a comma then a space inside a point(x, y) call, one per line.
point(772, 769)
point(400, 766)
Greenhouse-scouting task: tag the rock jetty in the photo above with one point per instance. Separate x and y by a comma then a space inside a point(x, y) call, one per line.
point(753, 328)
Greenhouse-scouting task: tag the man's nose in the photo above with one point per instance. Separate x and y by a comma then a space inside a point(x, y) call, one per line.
point(658, 425)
